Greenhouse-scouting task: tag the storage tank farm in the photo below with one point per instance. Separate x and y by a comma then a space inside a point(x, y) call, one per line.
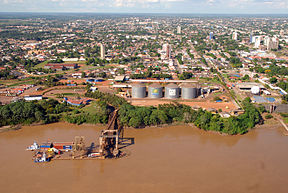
point(189, 91)
point(138, 90)
point(172, 91)
point(155, 91)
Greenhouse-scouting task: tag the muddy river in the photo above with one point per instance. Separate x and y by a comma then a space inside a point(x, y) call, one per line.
point(162, 160)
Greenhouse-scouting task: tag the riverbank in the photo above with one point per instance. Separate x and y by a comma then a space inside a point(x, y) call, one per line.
point(19, 126)
point(10, 128)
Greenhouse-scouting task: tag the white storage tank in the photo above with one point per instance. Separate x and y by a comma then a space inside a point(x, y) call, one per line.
point(155, 91)
point(138, 90)
point(189, 91)
point(172, 91)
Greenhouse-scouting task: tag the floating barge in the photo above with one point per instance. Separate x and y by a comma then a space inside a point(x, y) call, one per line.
point(108, 146)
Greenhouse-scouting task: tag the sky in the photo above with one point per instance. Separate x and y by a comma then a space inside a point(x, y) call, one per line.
point(148, 6)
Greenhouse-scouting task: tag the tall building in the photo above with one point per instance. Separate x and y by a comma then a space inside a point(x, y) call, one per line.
point(282, 33)
point(251, 38)
point(179, 30)
point(102, 51)
point(268, 43)
point(235, 36)
point(166, 49)
point(258, 40)
point(273, 44)
point(211, 36)
point(267, 40)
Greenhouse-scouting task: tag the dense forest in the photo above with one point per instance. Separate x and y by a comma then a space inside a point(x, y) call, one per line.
point(21, 112)
point(147, 116)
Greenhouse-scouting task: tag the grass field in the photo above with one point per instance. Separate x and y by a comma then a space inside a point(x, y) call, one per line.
point(285, 119)
point(17, 82)
point(41, 65)
point(92, 108)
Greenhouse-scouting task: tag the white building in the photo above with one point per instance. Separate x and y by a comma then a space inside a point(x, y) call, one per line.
point(272, 43)
point(77, 75)
point(235, 36)
point(166, 50)
point(258, 40)
point(179, 30)
point(33, 97)
point(102, 51)
point(282, 33)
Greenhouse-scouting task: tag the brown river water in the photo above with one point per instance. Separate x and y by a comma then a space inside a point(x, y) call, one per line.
point(162, 160)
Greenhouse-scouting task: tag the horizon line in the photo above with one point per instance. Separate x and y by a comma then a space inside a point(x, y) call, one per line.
point(4, 12)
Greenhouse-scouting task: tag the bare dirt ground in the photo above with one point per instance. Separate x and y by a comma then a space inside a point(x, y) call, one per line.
point(5, 99)
point(61, 91)
point(40, 92)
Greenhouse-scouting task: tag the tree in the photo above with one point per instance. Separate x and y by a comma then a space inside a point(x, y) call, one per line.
point(246, 77)
point(285, 99)
point(83, 75)
point(273, 80)
point(121, 71)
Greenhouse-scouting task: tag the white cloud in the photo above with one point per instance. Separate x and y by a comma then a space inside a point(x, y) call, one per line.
point(188, 6)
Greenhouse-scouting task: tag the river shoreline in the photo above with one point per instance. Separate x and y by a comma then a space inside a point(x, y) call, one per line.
point(271, 122)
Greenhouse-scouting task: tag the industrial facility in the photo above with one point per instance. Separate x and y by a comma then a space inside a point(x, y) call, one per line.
point(170, 91)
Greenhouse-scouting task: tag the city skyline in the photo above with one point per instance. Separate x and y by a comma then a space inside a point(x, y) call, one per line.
point(148, 6)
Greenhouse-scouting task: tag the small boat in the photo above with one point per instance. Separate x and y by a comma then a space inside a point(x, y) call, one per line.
point(41, 157)
point(33, 147)
point(94, 155)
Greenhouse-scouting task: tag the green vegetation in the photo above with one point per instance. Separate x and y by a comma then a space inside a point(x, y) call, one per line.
point(185, 75)
point(285, 117)
point(110, 99)
point(273, 80)
point(216, 98)
point(283, 85)
point(168, 113)
point(179, 58)
point(97, 112)
point(273, 70)
point(284, 114)
point(285, 99)
point(41, 65)
point(150, 74)
point(236, 62)
point(21, 112)
point(268, 116)
point(16, 61)
point(18, 82)
point(38, 36)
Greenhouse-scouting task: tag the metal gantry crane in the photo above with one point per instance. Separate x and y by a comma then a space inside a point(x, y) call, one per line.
point(109, 138)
